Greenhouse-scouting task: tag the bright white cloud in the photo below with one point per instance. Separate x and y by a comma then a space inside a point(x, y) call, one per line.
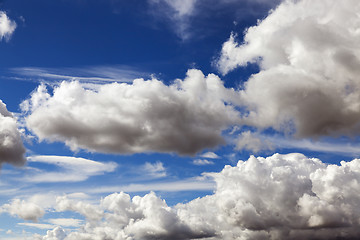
point(279, 197)
point(7, 26)
point(38, 225)
point(72, 169)
point(211, 155)
point(309, 57)
point(11, 146)
point(145, 116)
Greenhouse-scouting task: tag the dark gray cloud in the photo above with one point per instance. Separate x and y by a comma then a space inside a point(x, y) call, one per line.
point(145, 116)
point(12, 149)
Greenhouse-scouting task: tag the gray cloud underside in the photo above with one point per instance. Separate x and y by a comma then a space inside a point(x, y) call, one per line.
point(11, 146)
point(279, 197)
point(144, 116)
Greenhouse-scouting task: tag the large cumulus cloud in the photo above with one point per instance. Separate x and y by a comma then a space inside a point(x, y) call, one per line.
point(184, 117)
point(278, 197)
point(309, 57)
point(11, 146)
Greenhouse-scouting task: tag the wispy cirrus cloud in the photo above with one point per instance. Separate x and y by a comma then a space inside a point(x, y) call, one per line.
point(71, 169)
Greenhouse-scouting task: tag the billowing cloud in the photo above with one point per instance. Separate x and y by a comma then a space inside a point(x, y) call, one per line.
point(309, 57)
point(279, 197)
point(145, 116)
point(23, 209)
point(72, 169)
point(7, 26)
point(11, 146)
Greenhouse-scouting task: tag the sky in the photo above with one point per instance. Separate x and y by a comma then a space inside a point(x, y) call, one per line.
point(179, 119)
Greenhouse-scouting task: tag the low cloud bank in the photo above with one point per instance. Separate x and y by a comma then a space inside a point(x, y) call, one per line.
point(279, 197)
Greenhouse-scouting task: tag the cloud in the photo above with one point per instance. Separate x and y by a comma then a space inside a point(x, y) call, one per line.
point(180, 13)
point(72, 169)
point(12, 149)
point(7, 26)
point(66, 222)
point(278, 197)
point(211, 155)
point(309, 57)
point(253, 142)
point(38, 225)
point(202, 162)
point(145, 116)
point(23, 209)
point(155, 170)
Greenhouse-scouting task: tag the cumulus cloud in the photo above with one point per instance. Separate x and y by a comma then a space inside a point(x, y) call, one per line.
point(7, 26)
point(11, 146)
point(145, 116)
point(278, 197)
point(309, 57)
point(211, 155)
point(23, 209)
point(72, 169)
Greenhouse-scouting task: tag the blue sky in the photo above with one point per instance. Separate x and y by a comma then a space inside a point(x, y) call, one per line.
point(139, 119)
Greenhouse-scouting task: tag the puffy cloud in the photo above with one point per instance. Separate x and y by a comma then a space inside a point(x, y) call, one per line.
point(72, 169)
point(309, 57)
point(184, 117)
point(211, 155)
point(24, 209)
point(7, 26)
point(11, 146)
point(253, 142)
point(279, 197)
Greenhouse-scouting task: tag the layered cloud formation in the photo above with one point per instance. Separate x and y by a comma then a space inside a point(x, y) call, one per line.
point(309, 56)
point(7, 26)
point(279, 197)
point(185, 117)
point(11, 146)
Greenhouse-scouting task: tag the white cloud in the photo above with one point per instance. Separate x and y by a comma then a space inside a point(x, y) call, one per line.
point(38, 225)
point(11, 146)
point(156, 170)
point(7, 26)
point(211, 155)
point(65, 222)
point(23, 209)
point(145, 116)
point(279, 197)
point(309, 56)
point(72, 169)
point(253, 142)
point(201, 162)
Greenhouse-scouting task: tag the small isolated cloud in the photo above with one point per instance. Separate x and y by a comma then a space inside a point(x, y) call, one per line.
point(23, 209)
point(155, 170)
point(145, 116)
point(252, 142)
point(309, 57)
point(202, 162)
point(7, 26)
point(211, 155)
point(180, 13)
point(278, 197)
point(12, 149)
point(72, 169)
